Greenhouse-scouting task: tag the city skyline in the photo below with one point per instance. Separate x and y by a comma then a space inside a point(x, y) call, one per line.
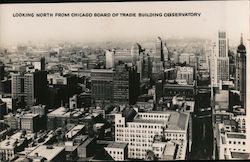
point(225, 15)
point(125, 88)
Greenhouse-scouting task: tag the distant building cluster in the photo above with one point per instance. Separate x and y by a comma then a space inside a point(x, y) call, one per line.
point(74, 103)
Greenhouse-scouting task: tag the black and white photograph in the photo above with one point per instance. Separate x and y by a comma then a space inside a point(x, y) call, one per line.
point(124, 81)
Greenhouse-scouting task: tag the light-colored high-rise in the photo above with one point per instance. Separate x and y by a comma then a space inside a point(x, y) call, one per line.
point(110, 59)
point(222, 59)
point(135, 52)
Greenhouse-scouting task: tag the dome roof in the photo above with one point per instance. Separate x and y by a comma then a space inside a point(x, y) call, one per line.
point(241, 47)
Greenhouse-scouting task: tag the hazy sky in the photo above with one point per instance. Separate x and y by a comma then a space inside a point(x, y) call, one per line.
point(232, 16)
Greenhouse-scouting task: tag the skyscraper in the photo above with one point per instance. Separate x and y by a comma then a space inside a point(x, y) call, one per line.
point(110, 59)
point(23, 88)
point(42, 61)
point(135, 52)
point(102, 85)
point(1, 71)
point(40, 87)
point(158, 50)
point(29, 89)
point(213, 65)
point(1, 76)
point(121, 84)
point(158, 61)
point(222, 60)
point(240, 80)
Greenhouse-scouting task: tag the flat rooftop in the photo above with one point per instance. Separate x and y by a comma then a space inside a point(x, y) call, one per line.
point(15, 140)
point(176, 121)
point(47, 152)
point(169, 150)
point(102, 70)
point(74, 131)
point(29, 115)
point(117, 145)
point(149, 121)
point(86, 142)
point(61, 111)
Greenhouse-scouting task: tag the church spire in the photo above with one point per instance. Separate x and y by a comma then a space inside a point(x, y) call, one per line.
point(241, 39)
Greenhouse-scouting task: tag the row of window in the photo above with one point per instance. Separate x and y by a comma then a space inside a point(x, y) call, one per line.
point(136, 135)
point(174, 135)
point(137, 149)
point(137, 155)
point(146, 126)
point(234, 149)
point(139, 144)
point(116, 152)
point(139, 131)
point(153, 116)
point(239, 142)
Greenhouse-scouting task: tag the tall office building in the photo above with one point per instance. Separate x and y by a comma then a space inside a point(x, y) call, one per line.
point(139, 65)
point(185, 73)
point(23, 88)
point(223, 59)
point(213, 64)
point(40, 87)
point(134, 85)
point(17, 88)
point(135, 52)
point(121, 84)
point(165, 52)
point(43, 64)
point(110, 59)
point(29, 89)
point(240, 80)
point(3, 109)
point(1, 71)
point(102, 85)
point(158, 61)
point(158, 50)
point(1, 76)
point(147, 66)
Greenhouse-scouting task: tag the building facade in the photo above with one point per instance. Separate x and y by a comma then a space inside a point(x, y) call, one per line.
point(102, 81)
point(23, 88)
point(138, 130)
point(222, 60)
point(110, 59)
point(240, 79)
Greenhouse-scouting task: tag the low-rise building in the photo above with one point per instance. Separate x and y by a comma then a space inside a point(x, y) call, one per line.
point(229, 141)
point(30, 122)
point(14, 144)
point(76, 130)
point(48, 153)
point(86, 148)
point(118, 151)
